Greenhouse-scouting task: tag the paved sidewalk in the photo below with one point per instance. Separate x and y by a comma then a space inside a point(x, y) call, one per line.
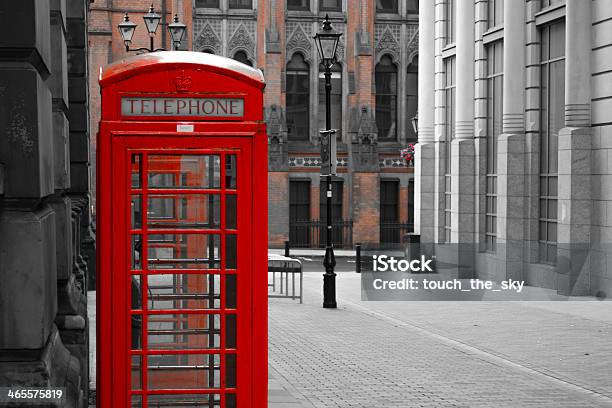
point(441, 354)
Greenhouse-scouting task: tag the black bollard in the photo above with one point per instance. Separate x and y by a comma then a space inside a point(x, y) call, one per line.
point(287, 249)
point(358, 258)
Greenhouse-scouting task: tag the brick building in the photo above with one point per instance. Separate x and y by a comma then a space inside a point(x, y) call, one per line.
point(373, 101)
point(47, 247)
point(513, 159)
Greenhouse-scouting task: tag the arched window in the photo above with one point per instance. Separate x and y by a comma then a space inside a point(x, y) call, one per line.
point(241, 56)
point(336, 98)
point(297, 94)
point(208, 51)
point(412, 88)
point(386, 99)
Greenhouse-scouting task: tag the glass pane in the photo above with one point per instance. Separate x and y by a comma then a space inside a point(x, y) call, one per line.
point(240, 4)
point(136, 294)
point(186, 400)
point(136, 170)
point(330, 5)
point(552, 209)
point(231, 291)
point(183, 371)
point(552, 186)
point(136, 251)
point(184, 291)
point(230, 172)
point(230, 400)
point(136, 206)
point(184, 251)
point(183, 331)
point(187, 171)
point(136, 401)
point(136, 332)
point(386, 6)
point(230, 370)
point(230, 331)
point(136, 373)
point(297, 4)
point(184, 211)
point(231, 251)
point(230, 211)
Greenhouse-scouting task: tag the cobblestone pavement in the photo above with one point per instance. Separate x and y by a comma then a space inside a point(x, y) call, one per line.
point(441, 354)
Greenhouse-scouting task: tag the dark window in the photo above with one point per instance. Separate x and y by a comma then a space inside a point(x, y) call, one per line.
point(386, 99)
point(389, 211)
point(450, 13)
point(412, 90)
point(242, 57)
point(552, 119)
point(496, 12)
point(297, 94)
point(299, 213)
point(298, 4)
point(241, 4)
point(412, 6)
point(335, 102)
point(336, 212)
point(386, 6)
point(330, 5)
point(449, 95)
point(495, 75)
point(207, 3)
point(547, 3)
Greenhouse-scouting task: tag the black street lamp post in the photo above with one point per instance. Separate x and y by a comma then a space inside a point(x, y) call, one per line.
point(327, 44)
point(151, 19)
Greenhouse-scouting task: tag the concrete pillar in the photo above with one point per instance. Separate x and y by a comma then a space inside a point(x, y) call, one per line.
point(463, 169)
point(424, 194)
point(575, 155)
point(511, 160)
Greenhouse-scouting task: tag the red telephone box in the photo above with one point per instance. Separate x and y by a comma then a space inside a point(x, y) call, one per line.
point(182, 233)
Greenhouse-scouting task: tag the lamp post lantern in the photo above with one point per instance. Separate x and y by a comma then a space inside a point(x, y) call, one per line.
point(327, 44)
point(151, 20)
point(415, 123)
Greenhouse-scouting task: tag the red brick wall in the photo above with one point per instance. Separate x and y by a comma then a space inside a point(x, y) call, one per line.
point(278, 208)
point(366, 208)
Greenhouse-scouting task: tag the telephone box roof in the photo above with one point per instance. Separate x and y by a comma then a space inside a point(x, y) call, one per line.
point(153, 61)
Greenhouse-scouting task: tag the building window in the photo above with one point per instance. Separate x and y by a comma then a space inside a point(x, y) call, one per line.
point(207, 3)
point(412, 90)
point(389, 211)
point(449, 96)
point(299, 213)
point(336, 99)
point(336, 213)
point(495, 75)
point(548, 3)
point(241, 4)
point(241, 56)
point(298, 98)
point(330, 5)
point(386, 99)
point(298, 4)
point(552, 119)
point(450, 12)
point(496, 13)
point(386, 6)
point(412, 6)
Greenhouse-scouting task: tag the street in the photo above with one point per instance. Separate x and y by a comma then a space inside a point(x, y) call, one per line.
point(437, 354)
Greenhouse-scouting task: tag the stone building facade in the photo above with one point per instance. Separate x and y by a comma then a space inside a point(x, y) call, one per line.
point(47, 247)
point(373, 101)
point(515, 131)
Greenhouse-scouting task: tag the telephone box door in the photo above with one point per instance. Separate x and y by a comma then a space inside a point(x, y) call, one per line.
point(182, 216)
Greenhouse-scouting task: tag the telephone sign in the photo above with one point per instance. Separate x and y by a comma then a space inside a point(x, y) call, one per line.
point(182, 260)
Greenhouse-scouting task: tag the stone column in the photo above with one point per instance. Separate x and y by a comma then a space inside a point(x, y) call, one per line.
point(574, 171)
point(511, 159)
point(463, 177)
point(424, 191)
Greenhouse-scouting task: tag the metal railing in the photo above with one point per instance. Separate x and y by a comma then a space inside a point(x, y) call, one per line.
point(311, 233)
point(392, 232)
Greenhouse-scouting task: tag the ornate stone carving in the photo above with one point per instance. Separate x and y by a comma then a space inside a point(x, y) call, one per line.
point(387, 42)
point(299, 41)
point(412, 47)
point(242, 41)
point(277, 139)
point(364, 145)
point(207, 39)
